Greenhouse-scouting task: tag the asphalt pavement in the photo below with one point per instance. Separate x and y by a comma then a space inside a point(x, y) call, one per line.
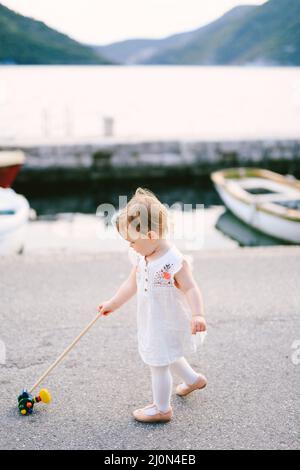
point(250, 356)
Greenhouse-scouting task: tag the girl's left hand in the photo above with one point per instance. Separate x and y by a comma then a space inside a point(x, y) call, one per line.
point(198, 324)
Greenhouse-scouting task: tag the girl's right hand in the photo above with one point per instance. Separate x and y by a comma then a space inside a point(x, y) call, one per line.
point(106, 308)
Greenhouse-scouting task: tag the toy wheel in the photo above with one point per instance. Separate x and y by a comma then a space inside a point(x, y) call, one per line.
point(45, 395)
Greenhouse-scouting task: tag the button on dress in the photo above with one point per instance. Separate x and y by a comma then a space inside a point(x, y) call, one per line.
point(163, 314)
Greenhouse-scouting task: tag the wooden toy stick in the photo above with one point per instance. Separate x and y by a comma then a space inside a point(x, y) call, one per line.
point(63, 355)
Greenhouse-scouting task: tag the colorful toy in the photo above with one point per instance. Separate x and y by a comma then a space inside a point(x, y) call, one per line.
point(26, 400)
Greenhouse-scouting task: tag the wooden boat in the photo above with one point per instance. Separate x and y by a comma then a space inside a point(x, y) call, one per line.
point(267, 201)
point(10, 164)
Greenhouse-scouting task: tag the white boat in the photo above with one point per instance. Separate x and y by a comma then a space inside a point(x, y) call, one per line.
point(14, 215)
point(14, 208)
point(267, 201)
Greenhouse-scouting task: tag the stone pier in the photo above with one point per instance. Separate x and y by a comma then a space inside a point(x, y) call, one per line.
point(88, 163)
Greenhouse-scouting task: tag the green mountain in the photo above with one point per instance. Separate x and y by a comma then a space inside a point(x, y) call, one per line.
point(27, 41)
point(267, 34)
point(135, 51)
point(143, 51)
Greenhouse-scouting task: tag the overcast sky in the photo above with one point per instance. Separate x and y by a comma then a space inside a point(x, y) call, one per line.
point(104, 21)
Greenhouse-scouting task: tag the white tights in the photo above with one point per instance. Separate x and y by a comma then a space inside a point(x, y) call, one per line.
point(162, 382)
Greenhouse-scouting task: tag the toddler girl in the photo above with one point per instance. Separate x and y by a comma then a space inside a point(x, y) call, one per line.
point(170, 306)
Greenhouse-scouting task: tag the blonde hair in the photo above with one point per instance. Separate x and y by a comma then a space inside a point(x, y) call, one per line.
point(143, 213)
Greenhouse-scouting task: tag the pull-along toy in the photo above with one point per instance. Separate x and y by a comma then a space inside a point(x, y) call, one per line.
point(26, 400)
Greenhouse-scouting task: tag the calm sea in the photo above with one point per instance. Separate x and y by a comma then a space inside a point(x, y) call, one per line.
point(59, 103)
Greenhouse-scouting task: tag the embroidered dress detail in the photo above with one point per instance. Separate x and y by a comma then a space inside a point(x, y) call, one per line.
point(163, 314)
point(163, 277)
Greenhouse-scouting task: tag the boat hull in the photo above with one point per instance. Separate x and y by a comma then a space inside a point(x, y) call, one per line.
point(267, 201)
point(269, 224)
point(14, 217)
point(8, 175)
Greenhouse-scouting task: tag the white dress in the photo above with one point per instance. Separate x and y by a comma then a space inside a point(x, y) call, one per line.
point(163, 314)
